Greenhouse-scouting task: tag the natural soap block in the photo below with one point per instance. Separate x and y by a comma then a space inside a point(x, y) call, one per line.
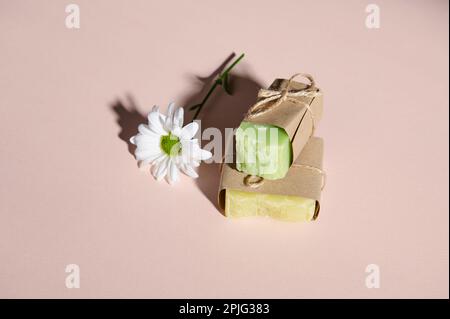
point(263, 150)
point(281, 207)
point(296, 197)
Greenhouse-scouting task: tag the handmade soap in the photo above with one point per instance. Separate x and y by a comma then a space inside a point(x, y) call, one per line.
point(293, 110)
point(282, 207)
point(263, 150)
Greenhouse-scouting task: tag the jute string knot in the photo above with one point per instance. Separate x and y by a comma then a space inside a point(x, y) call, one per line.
point(270, 99)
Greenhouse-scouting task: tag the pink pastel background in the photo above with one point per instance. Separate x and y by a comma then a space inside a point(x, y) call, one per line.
point(71, 192)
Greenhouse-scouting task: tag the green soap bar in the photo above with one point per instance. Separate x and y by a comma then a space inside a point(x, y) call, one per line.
point(263, 150)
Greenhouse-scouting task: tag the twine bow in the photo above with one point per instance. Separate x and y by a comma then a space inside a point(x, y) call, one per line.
point(271, 99)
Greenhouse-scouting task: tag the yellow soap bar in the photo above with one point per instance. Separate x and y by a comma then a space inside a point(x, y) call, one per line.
point(281, 207)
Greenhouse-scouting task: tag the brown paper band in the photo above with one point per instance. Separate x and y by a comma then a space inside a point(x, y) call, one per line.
point(256, 181)
point(318, 170)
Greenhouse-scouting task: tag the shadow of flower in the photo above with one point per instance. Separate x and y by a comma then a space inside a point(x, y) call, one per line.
point(128, 119)
point(221, 111)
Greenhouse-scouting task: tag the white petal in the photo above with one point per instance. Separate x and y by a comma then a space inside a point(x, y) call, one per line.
point(192, 151)
point(132, 141)
point(189, 170)
point(204, 155)
point(189, 130)
point(171, 109)
point(154, 122)
point(172, 173)
point(161, 169)
point(195, 163)
point(146, 141)
point(142, 155)
point(162, 117)
point(198, 153)
point(177, 132)
point(178, 118)
point(169, 118)
point(148, 147)
point(189, 148)
point(151, 159)
point(156, 162)
point(144, 129)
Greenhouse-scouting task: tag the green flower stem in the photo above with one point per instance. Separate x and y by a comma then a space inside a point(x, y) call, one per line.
point(222, 80)
point(227, 70)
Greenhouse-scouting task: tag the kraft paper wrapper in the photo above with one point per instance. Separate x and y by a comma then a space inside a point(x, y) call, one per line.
point(299, 181)
point(294, 118)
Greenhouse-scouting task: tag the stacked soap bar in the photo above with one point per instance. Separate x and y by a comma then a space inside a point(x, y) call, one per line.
point(263, 150)
point(296, 197)
point(281, 207)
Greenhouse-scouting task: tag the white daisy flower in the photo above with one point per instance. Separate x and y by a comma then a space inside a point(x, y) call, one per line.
point(168, 146)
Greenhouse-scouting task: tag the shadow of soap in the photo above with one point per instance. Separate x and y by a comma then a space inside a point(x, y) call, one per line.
point(221, 111)
point(128, 118)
